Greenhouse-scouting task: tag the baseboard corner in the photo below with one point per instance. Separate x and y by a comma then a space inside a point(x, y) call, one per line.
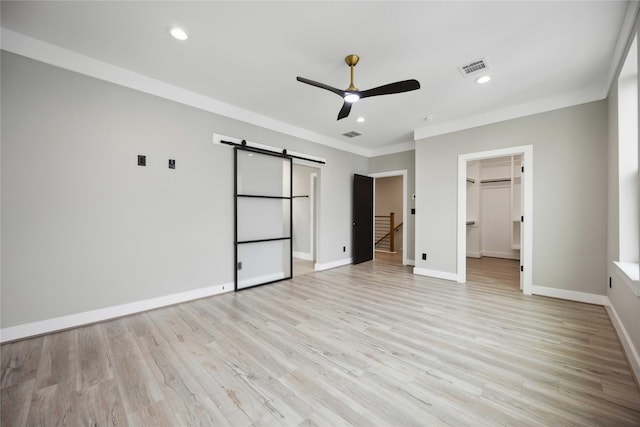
point(333, 264)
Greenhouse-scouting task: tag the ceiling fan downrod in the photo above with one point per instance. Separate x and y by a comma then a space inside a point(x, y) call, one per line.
point(352, 61)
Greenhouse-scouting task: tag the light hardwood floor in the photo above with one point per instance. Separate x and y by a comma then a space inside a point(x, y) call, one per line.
point(392, 258)
point(302, 266)
point(497, 271)
point(366, 345)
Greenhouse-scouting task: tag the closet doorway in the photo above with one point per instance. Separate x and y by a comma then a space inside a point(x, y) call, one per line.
point(493, 226)
point(305, 218)
point(495, 202)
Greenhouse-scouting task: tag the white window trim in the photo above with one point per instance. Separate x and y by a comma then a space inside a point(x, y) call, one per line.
point(629, 272)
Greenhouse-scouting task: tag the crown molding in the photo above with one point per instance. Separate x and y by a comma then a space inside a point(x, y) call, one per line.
point(622, 44)
point(63, 58)
point(392, 149)
point(594, 93)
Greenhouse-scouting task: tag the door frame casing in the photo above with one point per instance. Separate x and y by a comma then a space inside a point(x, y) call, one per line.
point(526, 247)
point(312, 219)
point(404, 174)
point(313, 215)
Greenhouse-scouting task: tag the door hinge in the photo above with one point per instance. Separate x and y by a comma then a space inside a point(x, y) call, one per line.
point(522, 268)
point(522, 218)
point(522, 169)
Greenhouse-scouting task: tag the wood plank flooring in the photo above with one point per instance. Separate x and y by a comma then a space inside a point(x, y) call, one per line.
point(365, 345)
point(302, 266)
point(497, 271)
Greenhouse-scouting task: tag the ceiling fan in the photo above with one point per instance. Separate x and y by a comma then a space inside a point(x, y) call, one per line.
point(352, 94)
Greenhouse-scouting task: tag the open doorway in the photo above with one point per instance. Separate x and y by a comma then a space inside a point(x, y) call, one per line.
point(304, 218)
point(514, 240)
point(494, 206)
point(390, 217)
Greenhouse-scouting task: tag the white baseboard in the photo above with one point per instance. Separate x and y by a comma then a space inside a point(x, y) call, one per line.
point(630, 350)
point(474, 254)
point(26, 330)
point(303, 255)
point(411, 262)
point(570, 295)
point(333, 264)
point(435, 273)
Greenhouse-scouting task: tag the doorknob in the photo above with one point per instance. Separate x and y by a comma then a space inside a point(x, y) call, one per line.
point(354, 223)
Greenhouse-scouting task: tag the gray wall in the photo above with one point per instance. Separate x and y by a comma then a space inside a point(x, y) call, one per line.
point(569, 193)
point(83, 227)
point(400, 161)
point(625, 303)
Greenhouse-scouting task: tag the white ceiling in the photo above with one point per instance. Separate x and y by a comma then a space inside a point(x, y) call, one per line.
point(541, 56)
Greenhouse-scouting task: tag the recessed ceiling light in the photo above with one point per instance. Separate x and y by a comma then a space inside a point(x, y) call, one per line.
point(360, 119)
point(177, 33)
point(483, 79)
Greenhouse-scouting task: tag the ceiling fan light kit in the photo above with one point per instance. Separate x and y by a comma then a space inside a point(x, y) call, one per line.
point(351, 98)
point(352, 94)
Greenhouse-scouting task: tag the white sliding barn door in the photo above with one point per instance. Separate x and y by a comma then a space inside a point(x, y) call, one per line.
point(263, 218)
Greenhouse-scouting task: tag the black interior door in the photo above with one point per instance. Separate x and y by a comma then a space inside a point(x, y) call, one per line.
point(362, 218)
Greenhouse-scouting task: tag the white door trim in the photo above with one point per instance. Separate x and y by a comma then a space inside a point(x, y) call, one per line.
point(312, 206)
point(526, 247)
point(404, 174)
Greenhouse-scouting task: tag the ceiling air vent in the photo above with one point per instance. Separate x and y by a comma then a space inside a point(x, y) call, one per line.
point(473, 67)
point(352, 134)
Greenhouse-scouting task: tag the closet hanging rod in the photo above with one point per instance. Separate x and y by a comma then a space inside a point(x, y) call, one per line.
point(482, 181)
point(261, 196)
point(473, 181)
point(244, 146)
point(295, 197)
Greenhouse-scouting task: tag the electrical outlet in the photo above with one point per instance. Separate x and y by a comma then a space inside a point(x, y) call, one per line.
point(172, 164)
point(609, 282)
point(424, 257)
point(142, 160)
point(344, 249)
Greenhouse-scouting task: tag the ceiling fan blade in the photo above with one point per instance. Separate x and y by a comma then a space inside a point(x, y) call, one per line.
point(391, 88)
point(338, 92)
point(345, 110)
